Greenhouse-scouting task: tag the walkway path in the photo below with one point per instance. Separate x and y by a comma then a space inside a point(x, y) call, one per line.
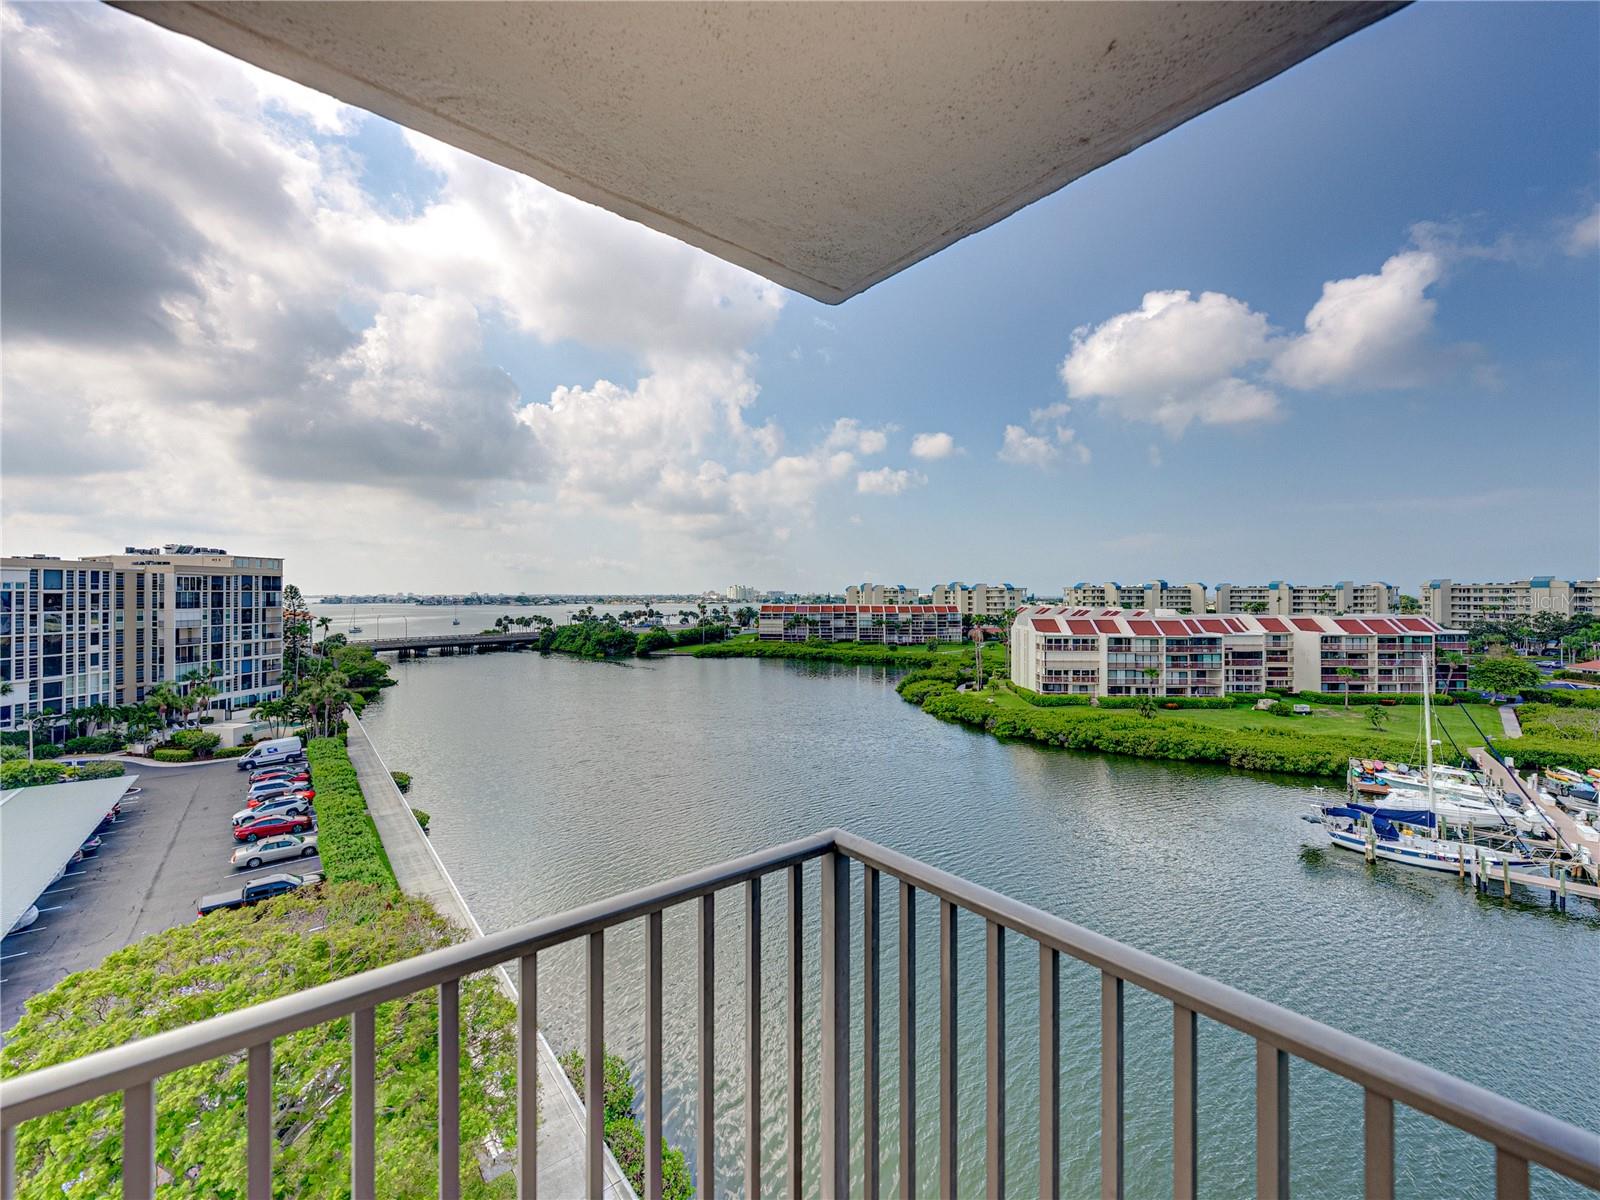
point(1509, 722)
point(421, 873)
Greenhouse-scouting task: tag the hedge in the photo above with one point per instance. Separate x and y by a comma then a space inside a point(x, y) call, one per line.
point(1173, 701)
point(1562, 698)
point(230, 752)
point(1376, 697)
point(168, 755)
point(1045, 699)
point(95, 743)
point(19, 773)
point(346, 836)
point(623, 1134)
point(197, 740)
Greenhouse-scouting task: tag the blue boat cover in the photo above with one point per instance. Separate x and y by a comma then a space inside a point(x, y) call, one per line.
point(1384, 819)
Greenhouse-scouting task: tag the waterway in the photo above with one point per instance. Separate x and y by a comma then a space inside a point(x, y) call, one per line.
point(553, 781)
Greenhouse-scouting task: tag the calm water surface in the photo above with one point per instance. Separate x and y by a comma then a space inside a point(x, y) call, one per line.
point(552, 782)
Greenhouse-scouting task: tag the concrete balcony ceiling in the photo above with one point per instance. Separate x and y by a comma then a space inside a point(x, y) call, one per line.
point(824, 146)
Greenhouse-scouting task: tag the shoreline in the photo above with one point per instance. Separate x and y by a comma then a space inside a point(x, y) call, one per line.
point(422, 873)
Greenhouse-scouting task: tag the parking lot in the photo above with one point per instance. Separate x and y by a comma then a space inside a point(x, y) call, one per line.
point(169, 847)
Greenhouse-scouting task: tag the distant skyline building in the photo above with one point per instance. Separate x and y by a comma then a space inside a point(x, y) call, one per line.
point(981, 601)
point(1087, 651)
point(742, 592)
point(881, 593)
point(884, 624)
point(107, 629)
point(1284, 599)
point(1466, 604)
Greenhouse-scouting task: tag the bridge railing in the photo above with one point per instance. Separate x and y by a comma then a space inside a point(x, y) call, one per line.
point(1520, 1135)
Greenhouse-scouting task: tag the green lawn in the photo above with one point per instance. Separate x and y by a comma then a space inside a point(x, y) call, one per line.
point(1404, 720)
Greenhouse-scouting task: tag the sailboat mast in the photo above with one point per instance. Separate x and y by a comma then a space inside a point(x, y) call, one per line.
point(1427, 721)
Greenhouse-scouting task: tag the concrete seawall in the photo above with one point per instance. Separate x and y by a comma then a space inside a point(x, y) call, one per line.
point(420, 873)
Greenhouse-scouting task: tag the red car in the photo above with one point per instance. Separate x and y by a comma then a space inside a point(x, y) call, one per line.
point(308, 793)
point(268, 826)
point(299, 775)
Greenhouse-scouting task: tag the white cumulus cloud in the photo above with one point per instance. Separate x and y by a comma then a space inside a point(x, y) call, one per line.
point(1583, 234)
point(1368, 331)
point(931, 446)
point(886, 481)
point(1163, 362)
point(1025, 449)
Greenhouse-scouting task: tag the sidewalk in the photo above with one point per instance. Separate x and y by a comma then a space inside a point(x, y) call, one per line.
point(1509, 722)
point(421, 873)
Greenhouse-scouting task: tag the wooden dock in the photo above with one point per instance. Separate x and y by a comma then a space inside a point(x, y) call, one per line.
point(1565, 826)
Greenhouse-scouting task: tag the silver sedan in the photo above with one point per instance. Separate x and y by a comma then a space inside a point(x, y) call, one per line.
point(275, 849)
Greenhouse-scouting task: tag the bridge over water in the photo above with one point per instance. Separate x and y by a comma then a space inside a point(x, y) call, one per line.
point(451, 643)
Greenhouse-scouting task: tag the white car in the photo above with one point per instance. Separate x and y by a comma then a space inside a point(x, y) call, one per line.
point(282, 806)
point(275, 849)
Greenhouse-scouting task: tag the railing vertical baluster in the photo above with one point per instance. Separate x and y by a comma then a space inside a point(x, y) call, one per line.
point(1378, 1174)
point(363, 1130)
point(1049, 1073)
point(947, 1048)
point(835, 1024)
point(1111, 1142)
point(870, 1031)
point(654, 1003)
point(908, 1041)
point(258, 1123)
point(139, 1142)
point(1272, 1122)
point(1185, 1083)
point(995, 1060)
point(752, 1051)
point(594, 1069)
point(450, 1089)
point(706, 1105)
point(1510, 1176)
point(796, 1166)
point(528, 1077)
point(8, 1163)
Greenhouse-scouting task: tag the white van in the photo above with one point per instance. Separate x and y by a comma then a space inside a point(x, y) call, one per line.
point(266, 754)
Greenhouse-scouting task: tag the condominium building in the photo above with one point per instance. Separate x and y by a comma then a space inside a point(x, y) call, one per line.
point(1074, 650)
point(1158, 593)
point(888, 624)
point(880, 593)
point(741, 592)
point(108, 628)
point(1466, 604)
point(1284, 599)
point(982, 601)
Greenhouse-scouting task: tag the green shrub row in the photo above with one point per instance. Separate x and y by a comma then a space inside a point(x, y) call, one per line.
point(1355, 698)
point(197, 740)
point(231, 751)
point(1179, 701)
point(623, 1133)
point(20, 773)
point(169, 754)
point(1562, 698)
point(1046, 699)
point(96, 743)
point(346, 836)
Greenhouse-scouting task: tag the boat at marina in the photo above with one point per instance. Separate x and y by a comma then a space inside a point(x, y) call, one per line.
point(355, 629)
point(1409, 837)
point(1453, 781)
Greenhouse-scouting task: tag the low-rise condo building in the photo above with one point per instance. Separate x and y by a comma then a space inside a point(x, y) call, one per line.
point(886, 624)
point(1282, 599)
point(1074, 650)
point(1466, 604)
point(1096, 595)
point(1158, 593)
point(981, 600)
point(108, 628)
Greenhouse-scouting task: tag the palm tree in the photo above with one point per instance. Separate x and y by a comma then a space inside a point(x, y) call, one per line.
point(324, 624)
point(41, 722)
point(1346, 674)
point(163, 699)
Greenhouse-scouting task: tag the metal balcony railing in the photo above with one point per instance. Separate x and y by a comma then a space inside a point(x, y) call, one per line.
point(1520, 1135)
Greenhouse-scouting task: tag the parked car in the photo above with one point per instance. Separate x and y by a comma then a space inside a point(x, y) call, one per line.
point(282, 806)
point(267, 786)
point(275, 850)
point(271, 826)
point(25, 920)
point(298, 789)
point(92, 846)
point(272, 773)
point(255, 891)
point(273, 752)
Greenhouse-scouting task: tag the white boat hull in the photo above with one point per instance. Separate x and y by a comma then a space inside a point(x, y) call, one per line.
point(1428, 854)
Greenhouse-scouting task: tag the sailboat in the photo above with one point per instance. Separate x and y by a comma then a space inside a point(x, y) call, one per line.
point(1405, 826)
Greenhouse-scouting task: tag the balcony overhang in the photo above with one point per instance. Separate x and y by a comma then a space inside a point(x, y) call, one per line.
point(824, 146)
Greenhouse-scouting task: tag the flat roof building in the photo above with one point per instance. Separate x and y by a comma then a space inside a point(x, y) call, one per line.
point(107, 629)
point(981, 601)
point(1466, 604)
point(1285, 599)
point(883, 624)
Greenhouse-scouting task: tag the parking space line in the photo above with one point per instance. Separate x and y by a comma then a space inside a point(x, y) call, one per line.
point(18, 954)
point(53, 908)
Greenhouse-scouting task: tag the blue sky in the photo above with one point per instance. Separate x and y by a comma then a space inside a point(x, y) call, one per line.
point(1442, 418)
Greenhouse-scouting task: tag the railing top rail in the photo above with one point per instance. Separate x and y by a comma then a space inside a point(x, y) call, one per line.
point(1523, 1131)
point(52, 1088)
point(1513, 1127)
